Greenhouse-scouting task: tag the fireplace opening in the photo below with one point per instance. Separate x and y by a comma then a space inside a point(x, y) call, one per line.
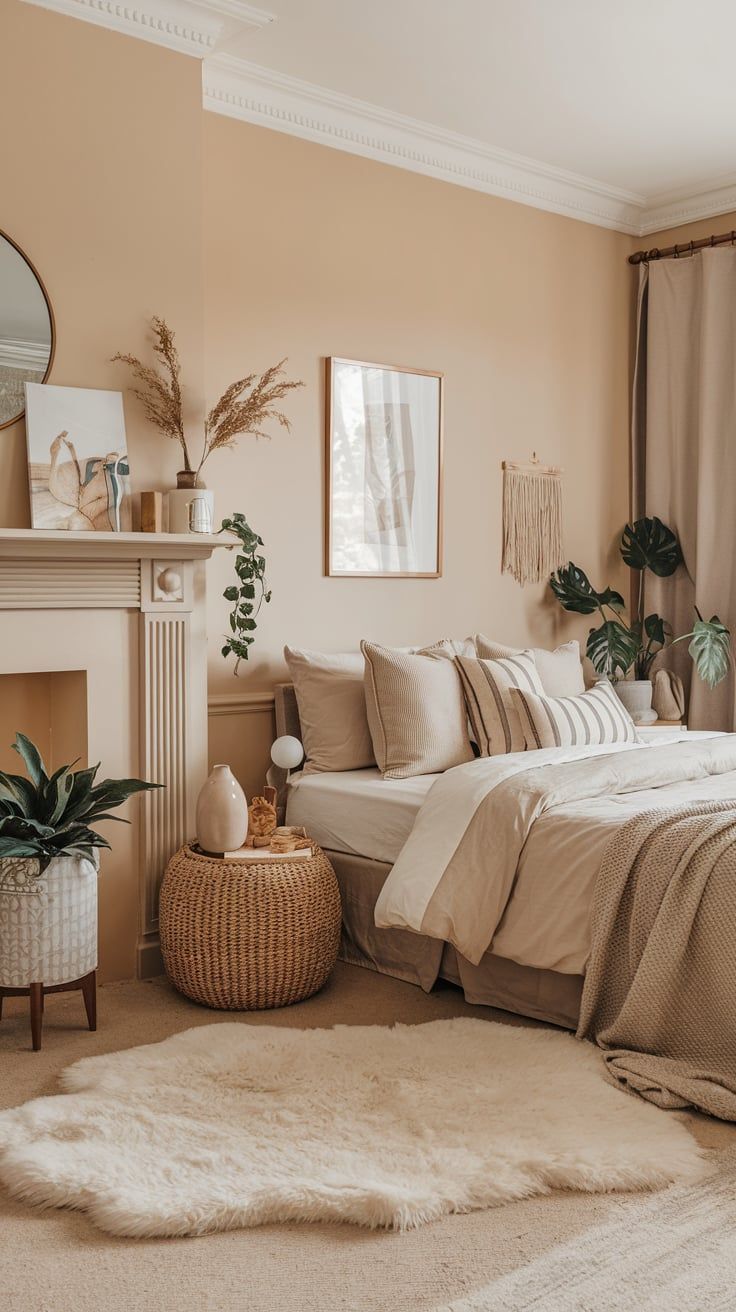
point(50, 708)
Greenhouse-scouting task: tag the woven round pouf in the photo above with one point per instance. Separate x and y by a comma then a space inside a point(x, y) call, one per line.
point(244, 935)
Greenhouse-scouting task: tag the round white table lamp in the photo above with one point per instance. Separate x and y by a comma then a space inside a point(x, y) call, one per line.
point(287, 752)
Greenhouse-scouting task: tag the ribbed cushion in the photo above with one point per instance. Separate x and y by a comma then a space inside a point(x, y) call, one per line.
point(332, 715)
point(596, 716)
point(415, 712)
point(560, 671)
point(493, 715)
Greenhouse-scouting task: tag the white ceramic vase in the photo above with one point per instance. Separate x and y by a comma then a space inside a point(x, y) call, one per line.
point(48, 922)
point(636, 695)
point(222, 812)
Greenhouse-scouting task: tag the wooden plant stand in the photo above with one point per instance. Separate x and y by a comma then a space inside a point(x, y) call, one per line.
point(37, 993)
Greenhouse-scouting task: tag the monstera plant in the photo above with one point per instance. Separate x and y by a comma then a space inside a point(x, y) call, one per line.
point(45, 816)
point(618, 646)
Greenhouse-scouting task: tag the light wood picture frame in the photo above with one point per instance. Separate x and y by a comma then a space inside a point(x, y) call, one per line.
point(383, 470)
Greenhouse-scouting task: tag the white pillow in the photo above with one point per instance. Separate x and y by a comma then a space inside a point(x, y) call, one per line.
point(415, 711)
point(560, 671)
point(596, 716)
point(331, 700)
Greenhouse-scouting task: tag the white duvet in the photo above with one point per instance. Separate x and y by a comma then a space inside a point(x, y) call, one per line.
point(504, 853)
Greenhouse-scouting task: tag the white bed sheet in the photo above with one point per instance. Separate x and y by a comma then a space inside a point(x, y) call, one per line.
point(357, 811)
point(547, 921)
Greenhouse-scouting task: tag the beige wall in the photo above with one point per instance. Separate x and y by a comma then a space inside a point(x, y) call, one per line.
point(311, 252)
point(101, 186)
point(254, 245)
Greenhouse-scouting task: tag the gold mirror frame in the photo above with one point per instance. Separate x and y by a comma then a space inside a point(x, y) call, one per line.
point(52, 322)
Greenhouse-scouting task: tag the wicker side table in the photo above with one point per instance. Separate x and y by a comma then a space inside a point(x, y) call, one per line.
point(244, 935)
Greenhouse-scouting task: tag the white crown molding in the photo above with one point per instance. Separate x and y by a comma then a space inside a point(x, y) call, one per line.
point(247, 91)
point(238, 11)
point(673, 209)
point(191, 27)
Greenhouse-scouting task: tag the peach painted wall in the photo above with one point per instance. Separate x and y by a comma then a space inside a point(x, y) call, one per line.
point(311, 252)
point(101, 169)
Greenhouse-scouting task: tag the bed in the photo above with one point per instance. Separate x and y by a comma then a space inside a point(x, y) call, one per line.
point(536, 961)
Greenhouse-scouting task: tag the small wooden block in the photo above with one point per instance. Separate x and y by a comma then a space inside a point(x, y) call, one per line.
point(152, 512)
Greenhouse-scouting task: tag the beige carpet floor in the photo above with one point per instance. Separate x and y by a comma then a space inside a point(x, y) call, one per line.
point(56, 1262)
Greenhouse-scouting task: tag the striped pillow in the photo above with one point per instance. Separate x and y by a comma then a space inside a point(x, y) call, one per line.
point(493, 714)
point(596, 716)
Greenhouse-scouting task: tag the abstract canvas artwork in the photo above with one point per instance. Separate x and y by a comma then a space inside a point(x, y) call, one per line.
point(384, 454)
point(77, 459)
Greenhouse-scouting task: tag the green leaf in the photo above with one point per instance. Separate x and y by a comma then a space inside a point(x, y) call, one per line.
point(31, 759)
point(612, 648)
point(650, 544)
point(231, 594)
point(710, 649)
point(574, 591)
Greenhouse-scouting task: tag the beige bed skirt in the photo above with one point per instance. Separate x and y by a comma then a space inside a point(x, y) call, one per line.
point(496, 982)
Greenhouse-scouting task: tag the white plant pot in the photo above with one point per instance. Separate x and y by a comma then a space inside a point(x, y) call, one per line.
point(191, 510)
point(636, 695)
point(48, 922)
point(222, 812)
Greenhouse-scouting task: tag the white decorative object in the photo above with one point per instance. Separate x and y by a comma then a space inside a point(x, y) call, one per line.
point(222, 812)
point(287, 752)
point(191, 510)
point(220, 1127)
point(48, 922)
point(636, 695)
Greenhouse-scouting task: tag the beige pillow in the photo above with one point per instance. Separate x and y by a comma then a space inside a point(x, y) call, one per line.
point(448, 648)
point(493, 714)
point(415, 712)
point(596, 716)
point(331, 699)
point(560, 671)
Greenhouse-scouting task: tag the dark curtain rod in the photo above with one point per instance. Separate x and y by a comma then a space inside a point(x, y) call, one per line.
point(686, 248)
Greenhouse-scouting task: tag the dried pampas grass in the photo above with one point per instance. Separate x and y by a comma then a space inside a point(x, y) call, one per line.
point(244, 408)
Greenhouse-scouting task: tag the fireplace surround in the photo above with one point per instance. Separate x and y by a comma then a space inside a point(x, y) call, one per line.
point(127, 610)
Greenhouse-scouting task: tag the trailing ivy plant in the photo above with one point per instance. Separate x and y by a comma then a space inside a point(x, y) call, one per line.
point(44, 815)
point(617, 646)
point(250, 591)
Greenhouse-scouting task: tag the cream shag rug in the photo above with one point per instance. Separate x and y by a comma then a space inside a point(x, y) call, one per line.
point(674, 1253)
point(236, 1125)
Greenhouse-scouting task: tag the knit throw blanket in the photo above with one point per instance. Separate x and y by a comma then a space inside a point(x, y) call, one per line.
point(660, 989)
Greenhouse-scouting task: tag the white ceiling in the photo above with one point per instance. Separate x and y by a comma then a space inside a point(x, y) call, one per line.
point(619, 112)
point(640, 94)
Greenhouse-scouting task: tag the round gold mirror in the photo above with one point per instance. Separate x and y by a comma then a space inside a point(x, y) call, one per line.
point(26, 330)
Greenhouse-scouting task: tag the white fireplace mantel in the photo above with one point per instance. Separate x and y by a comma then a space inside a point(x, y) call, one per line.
point(50, 543)
point(129, 610)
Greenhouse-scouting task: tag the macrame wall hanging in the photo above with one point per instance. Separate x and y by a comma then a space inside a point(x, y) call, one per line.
point(532, 520)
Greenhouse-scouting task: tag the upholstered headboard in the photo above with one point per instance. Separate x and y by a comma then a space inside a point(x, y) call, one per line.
point(287, 711)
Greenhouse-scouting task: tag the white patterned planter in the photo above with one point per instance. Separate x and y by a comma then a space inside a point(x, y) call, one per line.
point(48, 922)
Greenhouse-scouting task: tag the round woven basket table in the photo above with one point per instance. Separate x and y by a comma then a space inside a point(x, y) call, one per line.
point(244, 935)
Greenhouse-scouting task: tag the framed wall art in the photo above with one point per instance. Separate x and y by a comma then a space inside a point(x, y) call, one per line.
point(77, 459)
point(383, 504)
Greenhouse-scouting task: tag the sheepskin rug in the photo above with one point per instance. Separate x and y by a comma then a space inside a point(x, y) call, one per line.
point(237, 1125)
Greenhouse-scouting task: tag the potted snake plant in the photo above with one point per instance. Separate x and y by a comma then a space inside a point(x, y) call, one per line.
point(625, 651)
point(48, 867)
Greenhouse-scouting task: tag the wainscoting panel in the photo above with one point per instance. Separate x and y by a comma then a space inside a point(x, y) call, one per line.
point(241, 730)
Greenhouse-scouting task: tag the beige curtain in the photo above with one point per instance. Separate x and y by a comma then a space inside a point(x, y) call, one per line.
point(684, 447)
